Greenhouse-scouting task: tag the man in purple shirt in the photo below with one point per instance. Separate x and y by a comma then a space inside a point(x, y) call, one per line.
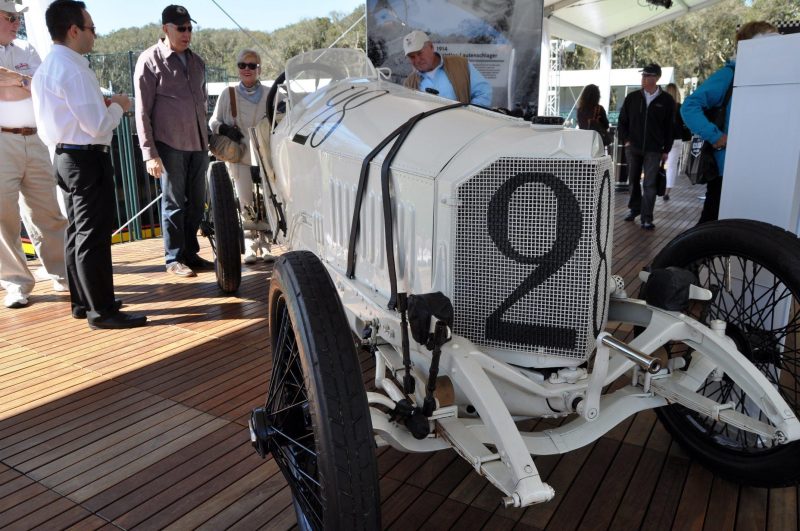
point(171, 122)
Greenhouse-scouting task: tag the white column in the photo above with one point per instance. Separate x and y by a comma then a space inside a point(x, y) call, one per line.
point(544, 71)
point(605, 76)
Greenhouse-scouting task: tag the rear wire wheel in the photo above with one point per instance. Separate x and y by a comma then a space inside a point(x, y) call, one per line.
point(316, 409)
point(752, 269)
point(227, 231)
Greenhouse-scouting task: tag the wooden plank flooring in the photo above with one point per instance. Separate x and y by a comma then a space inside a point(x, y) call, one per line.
point(146, 428)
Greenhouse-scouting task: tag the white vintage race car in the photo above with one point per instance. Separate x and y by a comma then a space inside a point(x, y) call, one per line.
point(470, 254)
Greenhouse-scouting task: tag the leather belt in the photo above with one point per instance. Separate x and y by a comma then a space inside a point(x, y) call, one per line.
point(85, 147)
point(24, 131)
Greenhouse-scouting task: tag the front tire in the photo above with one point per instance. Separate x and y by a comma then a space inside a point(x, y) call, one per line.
point(227, 229)
point(316, 410)
point(762, 312)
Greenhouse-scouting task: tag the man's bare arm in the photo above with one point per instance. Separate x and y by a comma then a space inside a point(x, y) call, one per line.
point(13, 85)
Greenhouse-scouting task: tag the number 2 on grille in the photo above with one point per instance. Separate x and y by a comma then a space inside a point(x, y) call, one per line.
point(568, 233)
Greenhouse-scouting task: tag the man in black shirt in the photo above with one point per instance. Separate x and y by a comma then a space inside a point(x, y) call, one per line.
point(645, 128)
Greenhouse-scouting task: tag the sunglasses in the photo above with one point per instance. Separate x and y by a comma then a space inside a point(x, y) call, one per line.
point(182, 29)
point(251, 66)
point(11, 18)
point(93, 29)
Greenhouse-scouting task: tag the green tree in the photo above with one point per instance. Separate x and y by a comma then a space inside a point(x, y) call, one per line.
point(699, 43)
point(114, 52)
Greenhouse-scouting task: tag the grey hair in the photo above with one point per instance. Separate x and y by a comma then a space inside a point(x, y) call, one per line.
point(244, 53)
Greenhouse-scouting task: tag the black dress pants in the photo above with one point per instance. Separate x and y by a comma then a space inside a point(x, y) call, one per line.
point(87, 177)
point(711, 204)
point(643, 196)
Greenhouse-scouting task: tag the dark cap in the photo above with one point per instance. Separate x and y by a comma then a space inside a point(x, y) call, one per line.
point(173, 14)
point(651, 70)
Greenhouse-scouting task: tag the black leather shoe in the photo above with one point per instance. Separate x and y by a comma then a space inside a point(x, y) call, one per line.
point(117, 321)
point(80, 313)
point(648, 226)
point(200, 263)
point(630, 217)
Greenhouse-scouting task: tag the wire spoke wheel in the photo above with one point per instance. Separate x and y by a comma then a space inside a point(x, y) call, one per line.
point(752, 270)
point(317, 421)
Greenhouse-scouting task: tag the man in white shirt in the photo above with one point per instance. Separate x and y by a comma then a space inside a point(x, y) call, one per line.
point(26, 175)
point(73, 117)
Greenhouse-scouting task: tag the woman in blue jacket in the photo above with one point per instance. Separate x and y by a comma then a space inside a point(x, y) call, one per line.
point(710, 95)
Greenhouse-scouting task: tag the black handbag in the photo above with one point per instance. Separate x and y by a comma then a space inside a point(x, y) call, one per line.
point(661, 181)
point(697, 162)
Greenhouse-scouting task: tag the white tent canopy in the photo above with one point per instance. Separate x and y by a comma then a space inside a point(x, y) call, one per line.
point(597, 24)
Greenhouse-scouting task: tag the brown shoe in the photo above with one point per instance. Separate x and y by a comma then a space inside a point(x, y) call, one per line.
point(180, 270)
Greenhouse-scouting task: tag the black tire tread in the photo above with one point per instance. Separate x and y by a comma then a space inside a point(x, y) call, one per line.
point(345, 428)
point(227, 232)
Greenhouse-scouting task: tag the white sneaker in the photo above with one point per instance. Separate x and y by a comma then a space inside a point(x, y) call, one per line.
point(180, 270)
point(15, 300)
point(250, 257)
point(267, 257)
point(60, 286)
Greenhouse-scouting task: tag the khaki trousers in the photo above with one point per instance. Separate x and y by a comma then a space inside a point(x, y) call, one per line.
point(27, 185)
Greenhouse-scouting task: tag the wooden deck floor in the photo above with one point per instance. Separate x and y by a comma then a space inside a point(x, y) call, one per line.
point(146, 428)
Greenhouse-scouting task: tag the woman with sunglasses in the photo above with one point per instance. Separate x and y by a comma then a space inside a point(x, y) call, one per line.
point(251, 106)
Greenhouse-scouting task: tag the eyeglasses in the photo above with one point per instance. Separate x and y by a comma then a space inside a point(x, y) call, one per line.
point(182, 29)
point(93, 29)
point(251, 66)
point(11, 18)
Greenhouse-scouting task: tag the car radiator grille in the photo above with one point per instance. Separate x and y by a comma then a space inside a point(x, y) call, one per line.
point(532, 255)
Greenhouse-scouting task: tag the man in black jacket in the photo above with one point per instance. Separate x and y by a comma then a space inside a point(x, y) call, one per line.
point(645, 128)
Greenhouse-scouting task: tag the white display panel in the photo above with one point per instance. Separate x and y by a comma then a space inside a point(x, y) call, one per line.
point(762, 164)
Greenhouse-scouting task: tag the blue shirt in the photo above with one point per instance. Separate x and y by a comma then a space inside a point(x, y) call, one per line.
point(707, 96)
point(480, 92)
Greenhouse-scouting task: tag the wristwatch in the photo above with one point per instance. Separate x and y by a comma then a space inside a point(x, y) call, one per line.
point(24, 82)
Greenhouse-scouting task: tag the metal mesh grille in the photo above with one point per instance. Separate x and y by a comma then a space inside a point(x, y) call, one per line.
point(532, 255)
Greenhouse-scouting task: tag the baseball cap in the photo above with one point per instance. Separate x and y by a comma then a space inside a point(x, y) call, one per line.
point(10, 7)
point(173, 14)
point(414, 41)
point(651, 70)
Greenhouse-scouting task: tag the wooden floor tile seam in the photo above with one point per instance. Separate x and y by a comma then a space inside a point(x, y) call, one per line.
point(21, 405)
point(60, 439)
point(109, 446)
point(165, 446)
point(31, 379)
point(102, 391)
point(162, 476)
point(196, 481)
point(51, 446)
point(21, 523)
point(81, 483)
